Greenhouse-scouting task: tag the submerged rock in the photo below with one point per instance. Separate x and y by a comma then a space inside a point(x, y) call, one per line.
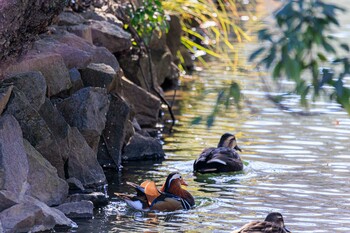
point(141, 147)
point(97, 198)
point(80, 209)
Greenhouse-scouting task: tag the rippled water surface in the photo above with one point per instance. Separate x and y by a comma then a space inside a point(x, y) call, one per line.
point(296, 165)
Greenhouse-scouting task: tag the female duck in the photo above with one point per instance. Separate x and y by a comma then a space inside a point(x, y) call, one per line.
point(224, 158)
point(170, 197)
point(273, 223)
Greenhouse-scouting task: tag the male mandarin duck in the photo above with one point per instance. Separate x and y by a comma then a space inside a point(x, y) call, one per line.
point(170, 197)
point(224, 158)
point(273, 223)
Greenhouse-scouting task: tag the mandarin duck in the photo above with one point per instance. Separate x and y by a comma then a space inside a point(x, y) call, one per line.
point(224, 158)
point(170, 197)
point(273, 223)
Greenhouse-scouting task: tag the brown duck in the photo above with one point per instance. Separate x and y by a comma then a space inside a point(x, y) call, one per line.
point(170, 197)
point(224, 158)
point(273, 223)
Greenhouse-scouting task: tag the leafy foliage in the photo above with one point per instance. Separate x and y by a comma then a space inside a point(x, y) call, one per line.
point(209, 26)
point(300, 44)
point(148, 18)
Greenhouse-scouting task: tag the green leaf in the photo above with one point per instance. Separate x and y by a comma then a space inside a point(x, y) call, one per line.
point(321, 57)
point(277, 70)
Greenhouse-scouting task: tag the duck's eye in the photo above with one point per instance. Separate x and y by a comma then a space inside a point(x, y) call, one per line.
point(180, 177)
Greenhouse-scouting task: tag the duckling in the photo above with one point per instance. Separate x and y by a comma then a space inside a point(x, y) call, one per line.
point(224, 158)
point(170, 197)
point(273, 223)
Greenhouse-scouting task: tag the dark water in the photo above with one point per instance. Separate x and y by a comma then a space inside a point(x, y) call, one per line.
point(296, 165)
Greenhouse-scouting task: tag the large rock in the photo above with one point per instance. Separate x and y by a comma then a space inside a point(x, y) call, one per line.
point(102, 16)
point(147, 110)
point(82, 163)
point(101, 75)
point(111, 36)
point(21, 21)
point(43, 179)
point(7, 199)
point(86, 109)
point(69, 18)
point(115, 130)
point(13, 162)
point(32, 84)
point(141, 147)
point(81, 209)
point(75, 51)
point(79, 159)
point(36, 130)
point(31, 215)
point(82, 30)
point(5, 93)
point(52, 67)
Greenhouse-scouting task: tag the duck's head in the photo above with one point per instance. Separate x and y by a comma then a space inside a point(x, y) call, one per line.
point(228, 140)
point(277, 219)
point(173, 181)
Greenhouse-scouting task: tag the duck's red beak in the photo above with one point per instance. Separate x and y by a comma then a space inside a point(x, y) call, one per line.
point(182, 182)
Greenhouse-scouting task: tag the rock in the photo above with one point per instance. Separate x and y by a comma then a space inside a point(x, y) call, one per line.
point(7, 199)
point(81, 209)
point(69, 18)
point(111, 36)
point(173, 38)
point(36, 130)
point(50, 65)
point(13, 162)
point(102, 16)
point(81, 30)
point(21, 22)
point(31, 215)
point(75, 184)
point(1, 229)
point(100, 75)
point(76, 81)
point(141, 147)
point(5, 93)
point(115, 130)
point(73, 57)
point(102, 55)
point(163, 64)
point(147, 110)
point(137, 69)
point(103, 157)
point(82, 163)
point(77, 52)
point(97, 198)
point(45, 185)
point(86, 109)
point(32, 84)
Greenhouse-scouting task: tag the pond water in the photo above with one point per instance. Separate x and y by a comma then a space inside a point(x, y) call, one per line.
point(296, 165)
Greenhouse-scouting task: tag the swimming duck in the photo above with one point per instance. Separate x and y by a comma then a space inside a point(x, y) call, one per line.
point(224, 158)
point(170, 197)
point(273, 223)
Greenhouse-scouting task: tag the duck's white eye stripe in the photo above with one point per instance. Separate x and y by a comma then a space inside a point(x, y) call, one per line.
point(174, 177)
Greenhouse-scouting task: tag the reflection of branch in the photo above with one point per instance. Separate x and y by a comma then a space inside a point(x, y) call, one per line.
point(278, 104)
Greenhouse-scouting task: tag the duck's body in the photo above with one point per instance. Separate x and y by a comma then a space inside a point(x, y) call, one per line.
point(170, 197)
point(224, 158)
point(273, 223)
